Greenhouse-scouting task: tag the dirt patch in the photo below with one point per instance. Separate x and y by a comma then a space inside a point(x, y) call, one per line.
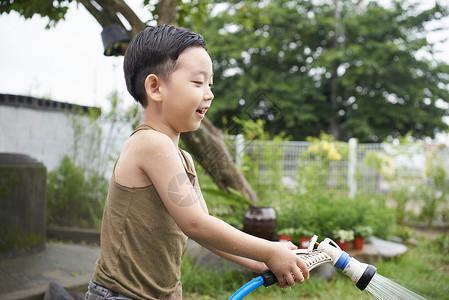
point(429, 232)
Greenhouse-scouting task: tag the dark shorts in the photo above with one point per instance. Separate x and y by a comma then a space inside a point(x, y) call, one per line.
point(98, 292)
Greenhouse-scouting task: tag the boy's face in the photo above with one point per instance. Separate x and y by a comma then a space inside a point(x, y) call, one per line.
point(187, 95)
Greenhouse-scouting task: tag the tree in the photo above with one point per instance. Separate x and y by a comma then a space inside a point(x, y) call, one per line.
point(349, 69)
point(206, 144)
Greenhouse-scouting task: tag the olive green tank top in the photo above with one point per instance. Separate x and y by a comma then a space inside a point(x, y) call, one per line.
point(141, 245)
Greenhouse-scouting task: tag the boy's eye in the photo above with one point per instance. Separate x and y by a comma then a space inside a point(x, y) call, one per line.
point(211, 86)
point(198, 82)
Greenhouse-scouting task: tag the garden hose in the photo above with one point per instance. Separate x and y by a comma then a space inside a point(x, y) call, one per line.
point(327, 251)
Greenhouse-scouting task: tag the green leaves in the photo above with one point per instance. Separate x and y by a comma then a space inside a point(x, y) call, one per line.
point(360, 70)
point(232, 197)
point(74, 199)
point(54, 10)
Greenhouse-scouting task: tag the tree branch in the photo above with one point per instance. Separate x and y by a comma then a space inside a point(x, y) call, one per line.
point(120, 6)
point(167, 12)
point(104, 17)
point(207, 146)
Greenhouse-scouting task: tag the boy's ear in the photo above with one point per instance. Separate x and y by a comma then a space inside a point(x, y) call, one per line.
point(152, 88)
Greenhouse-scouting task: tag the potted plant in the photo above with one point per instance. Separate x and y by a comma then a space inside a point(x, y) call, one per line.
point(361, 232)
point(303, 236)
point(343, 238)
point(286, 234)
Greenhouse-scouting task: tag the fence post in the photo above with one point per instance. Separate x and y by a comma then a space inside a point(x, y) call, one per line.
point(239, 150)
point(352, 163)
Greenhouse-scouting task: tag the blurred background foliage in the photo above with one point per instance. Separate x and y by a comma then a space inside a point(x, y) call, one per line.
point(350, 69)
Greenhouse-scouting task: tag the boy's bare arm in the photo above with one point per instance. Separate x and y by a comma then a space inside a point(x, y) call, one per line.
point(253, 265)
point(159, 159)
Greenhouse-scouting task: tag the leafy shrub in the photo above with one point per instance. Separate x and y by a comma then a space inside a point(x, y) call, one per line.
point(363, 231)
point(217, 281)
point(73, 199)
point(404, 232)
point(343, 235)
point(442, 241)
point(323, 215)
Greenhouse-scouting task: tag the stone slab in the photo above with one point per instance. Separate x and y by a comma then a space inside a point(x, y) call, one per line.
point(28, 277)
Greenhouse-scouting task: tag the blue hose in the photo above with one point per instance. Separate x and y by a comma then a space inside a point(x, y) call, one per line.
point(247, 288)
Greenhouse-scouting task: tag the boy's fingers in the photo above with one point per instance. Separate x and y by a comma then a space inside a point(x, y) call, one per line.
point(290, 280)
point(303, 268)
point(291, 246)
point(285, 280)
point(298, 276)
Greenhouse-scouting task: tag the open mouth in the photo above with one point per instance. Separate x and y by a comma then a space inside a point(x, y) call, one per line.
point(201, 111)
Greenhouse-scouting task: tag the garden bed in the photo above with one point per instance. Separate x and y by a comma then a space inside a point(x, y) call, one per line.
point(423, 269)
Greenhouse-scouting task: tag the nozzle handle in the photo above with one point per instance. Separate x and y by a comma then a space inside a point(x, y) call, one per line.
point(268, 278)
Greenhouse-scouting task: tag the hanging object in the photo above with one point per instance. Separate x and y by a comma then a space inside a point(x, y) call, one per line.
point(114, 36)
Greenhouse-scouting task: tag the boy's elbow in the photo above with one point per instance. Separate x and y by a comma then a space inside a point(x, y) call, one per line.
point(196, 229)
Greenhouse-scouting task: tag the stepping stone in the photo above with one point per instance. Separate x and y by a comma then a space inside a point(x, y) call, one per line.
point(388, 249)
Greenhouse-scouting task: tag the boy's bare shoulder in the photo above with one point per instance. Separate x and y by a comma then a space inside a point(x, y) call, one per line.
point(150, 141)
point(141, 152)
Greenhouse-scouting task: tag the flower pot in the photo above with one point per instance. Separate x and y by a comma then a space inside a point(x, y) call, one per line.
point(260, 221)
point(358, 242)
point(284, 238)
point(343, 245)
point(304, 242)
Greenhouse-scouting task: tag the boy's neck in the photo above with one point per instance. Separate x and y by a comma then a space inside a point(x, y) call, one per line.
point(160, 127)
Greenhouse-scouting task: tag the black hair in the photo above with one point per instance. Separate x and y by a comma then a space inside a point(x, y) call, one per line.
point(155, 50)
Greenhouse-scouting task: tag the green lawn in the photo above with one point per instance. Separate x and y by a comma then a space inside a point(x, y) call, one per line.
point(424, 269)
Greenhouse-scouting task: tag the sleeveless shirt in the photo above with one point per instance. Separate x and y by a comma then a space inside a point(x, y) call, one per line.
point(141, 245)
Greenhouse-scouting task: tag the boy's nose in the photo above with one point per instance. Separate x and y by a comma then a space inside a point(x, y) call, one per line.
point(209, 96)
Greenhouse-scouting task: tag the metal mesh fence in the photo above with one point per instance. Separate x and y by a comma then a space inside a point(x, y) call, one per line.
point(415, 175)
point(286, 160)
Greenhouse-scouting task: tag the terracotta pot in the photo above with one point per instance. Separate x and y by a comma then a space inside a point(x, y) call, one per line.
point(343, 245)
point(358, 242)
point(304, 242)
point(284, 238)
point(260, 221)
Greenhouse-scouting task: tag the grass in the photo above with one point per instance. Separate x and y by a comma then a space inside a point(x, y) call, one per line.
point(424, 269)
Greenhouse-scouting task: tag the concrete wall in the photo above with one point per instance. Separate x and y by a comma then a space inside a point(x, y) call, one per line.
point(43, 135)
point(41, 128)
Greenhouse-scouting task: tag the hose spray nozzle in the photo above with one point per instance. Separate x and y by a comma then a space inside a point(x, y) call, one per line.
point(360, 273)
point(328, 251)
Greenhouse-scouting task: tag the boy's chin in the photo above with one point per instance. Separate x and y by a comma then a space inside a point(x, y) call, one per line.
point(193, 128)
point(196, 128)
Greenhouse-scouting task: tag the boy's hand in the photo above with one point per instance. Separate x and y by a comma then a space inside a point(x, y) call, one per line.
point(286, 265)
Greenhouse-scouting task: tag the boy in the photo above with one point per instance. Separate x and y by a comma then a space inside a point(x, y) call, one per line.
point(154, 200)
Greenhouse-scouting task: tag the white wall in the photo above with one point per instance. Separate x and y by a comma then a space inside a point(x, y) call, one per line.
point(47, 135)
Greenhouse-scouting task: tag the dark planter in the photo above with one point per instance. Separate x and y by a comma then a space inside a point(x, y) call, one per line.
point(23, 183)
point(260, 221)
